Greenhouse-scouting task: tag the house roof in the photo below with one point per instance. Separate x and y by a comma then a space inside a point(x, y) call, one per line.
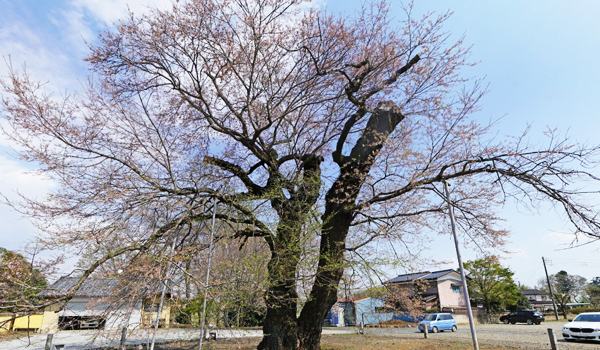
point(426, 275)
point(350, 300)
point(429, 298)
point(92, 287)
point(534, 292)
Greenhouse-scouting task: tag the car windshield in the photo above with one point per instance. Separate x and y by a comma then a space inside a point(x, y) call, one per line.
point(587, 318)
point(431, 317)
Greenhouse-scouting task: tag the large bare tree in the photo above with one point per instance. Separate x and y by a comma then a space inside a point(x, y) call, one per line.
point(320, 134)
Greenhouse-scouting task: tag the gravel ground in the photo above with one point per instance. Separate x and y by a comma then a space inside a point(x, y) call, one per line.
point(520, 336)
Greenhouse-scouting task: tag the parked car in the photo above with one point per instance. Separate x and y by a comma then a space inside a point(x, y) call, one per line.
point(525, 316)
point(438, 322)
point(585, 326)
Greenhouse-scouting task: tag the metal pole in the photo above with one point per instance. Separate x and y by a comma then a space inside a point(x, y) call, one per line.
point(49, 341)
point(162, 294)
point(462, 270)
point(212, 234)
point(123, 338)
point(550, 288)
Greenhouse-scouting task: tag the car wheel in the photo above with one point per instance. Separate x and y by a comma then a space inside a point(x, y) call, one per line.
point(434, 329)
point(529, 321)
point(505, 321)
point(570, 340)
point(513, 322)
point(453, 328)
point(538, 323)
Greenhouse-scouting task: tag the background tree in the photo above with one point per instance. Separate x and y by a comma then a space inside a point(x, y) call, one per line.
point(522, 303)
point(372, 292)
point(20, 281)
point(323, 135)
point(566, 289)
point(592, 291)
point(491, 284)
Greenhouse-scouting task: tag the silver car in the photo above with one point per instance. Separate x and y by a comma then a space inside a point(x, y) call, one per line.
point(585, 326)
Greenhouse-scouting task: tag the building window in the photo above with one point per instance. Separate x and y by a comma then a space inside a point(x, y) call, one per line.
point(150, 307)
point(455, 288)
point(383, 309)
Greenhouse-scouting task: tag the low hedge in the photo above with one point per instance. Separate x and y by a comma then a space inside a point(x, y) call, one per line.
point(578, 310)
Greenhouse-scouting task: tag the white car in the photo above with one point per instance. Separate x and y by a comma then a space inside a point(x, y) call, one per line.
point(585, 326)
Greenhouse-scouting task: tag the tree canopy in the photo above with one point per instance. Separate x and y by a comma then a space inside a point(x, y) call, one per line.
point(318, 134)
point(491, 284)
point(566, 289)
point(593, 292)
point(19, 283)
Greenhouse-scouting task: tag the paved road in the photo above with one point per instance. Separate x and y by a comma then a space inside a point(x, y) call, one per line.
point(515, 335)
point(92, 339)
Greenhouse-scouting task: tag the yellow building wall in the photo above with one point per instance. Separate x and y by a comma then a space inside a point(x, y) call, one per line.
point(29, 322)
point(50, 322)
point(165, 316)
point(5, 325)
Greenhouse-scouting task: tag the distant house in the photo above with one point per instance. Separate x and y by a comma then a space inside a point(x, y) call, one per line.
point(100, 303)
point(441, 289)
point(539, 299)
point(351, 312)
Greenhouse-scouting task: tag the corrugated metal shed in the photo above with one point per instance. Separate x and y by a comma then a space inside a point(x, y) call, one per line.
point(95, 288)
point(92, 287)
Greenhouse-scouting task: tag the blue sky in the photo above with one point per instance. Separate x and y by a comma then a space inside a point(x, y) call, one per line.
point(540, 58)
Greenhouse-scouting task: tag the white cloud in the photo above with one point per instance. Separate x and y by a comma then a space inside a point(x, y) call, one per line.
point(518, 253)
point(109, 11)
point(559, 239)
point(22, 47)
point(14, 180)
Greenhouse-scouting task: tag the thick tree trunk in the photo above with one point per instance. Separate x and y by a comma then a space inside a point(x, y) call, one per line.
point(337, 219)
point(329, 273)
point(281, 329)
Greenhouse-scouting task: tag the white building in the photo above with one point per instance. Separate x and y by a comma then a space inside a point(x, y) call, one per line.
point(103, 303)
point(539, 299)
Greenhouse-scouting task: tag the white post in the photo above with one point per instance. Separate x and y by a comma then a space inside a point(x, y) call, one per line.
point(553, 343)
point(462, 270)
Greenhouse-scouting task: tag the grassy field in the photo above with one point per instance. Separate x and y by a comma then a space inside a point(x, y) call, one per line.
point(337, 342)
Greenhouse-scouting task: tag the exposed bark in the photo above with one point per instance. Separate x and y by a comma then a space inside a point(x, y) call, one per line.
point(337, 219)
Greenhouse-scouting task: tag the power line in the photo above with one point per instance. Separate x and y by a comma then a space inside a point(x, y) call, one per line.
point(572, 262)
point(534, 272)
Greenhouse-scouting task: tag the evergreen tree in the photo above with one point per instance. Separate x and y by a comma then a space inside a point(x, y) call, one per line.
point(491, 284)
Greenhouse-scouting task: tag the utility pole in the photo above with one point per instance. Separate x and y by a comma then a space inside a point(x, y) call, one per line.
point(462, 270)
point(550, 289)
